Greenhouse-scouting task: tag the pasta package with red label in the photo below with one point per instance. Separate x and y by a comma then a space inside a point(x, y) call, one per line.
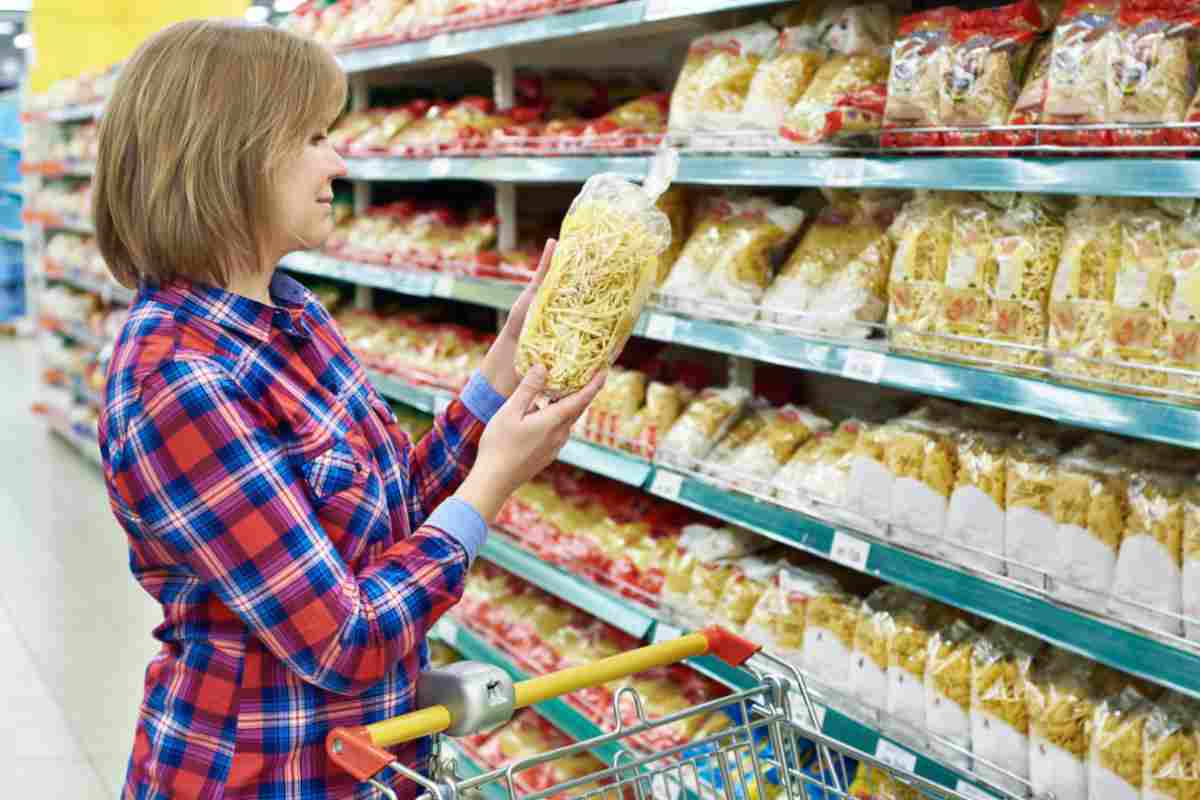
point(919, 59)
point(844, 102)
point(1076, 89)
point(715, 80)
point(1183, 308)
point(1030, 105)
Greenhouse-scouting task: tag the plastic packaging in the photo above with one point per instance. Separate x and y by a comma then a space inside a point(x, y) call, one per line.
point(700, 544)
point(1077, 84)
point(779, 619)
point(1061, 707)
point(908, 648)
point(641, 433)
point(600, 277)
point(923, 233)
point(702, 424)
point(920, 57)
point(1031, 474)
point(923, 460)
point(675, 202)
point(1118, 753)
point(1191, 564)
point(1172, 760)
point(712, 86)
point(976, 513)
point(999, 715)
point(869, 489)
point(1149, 569)
point(844, 102)
point(1140, 296)
point(948, 692)
point(820, 469)
point(752, 578)
point(1030, 104)
point(772, 447)
point(829, 627)
point(731, 445)
point(868, 682)
point(965, 302)
point(782, 79)
point(1182, 343)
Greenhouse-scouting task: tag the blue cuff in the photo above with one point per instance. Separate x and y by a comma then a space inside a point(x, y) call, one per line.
point(480, 398)
point(459, 520)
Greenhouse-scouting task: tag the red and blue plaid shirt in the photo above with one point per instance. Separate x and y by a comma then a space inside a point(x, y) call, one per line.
point(300, 545)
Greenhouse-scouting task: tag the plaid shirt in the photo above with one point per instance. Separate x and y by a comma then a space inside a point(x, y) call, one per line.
point(300, 545)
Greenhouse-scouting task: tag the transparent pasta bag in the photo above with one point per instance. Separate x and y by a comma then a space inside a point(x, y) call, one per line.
point(830, 621)
point(716, 76)
point(1172, 751)
point(965, 302)
point(600, 277)
point(919, 59)
point(908, 648)
point(869, 487)
point(922, 234)
point(1148, 581)
point(1031, 474)
point(1118, 751)
point(778, 620)
point(1030, 105)
point(1191, 563)
point(703, 423)
point(868, 682)
point(1182, 343)
point(948, 691)
point(976, 514)
point(1140, 295)
point(753, 578)
point(843, 104)
point(999, 716)
point(760, 233)
point(782, 78)
point(719, 459)
point(1061, 706)
point(819, 470)
point(770, 449)
point(922, 458)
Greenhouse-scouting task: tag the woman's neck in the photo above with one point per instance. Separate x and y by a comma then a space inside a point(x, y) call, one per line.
point(255, 286)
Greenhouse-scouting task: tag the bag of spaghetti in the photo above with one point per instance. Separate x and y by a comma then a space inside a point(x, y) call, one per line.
point(999, 714)
point(965, 302)
point(1077, 84)
point(920, 57)
point(703, 423)
point(1061, 705)
point(1091, 511)
point(600, 277)
point(820, 469)
point(976, 512)
point(843, 104)
point(1172, 750)
point(830, 620)
point(985, 60)
point(922, 458)
point(778, 620)
point(837, 275)
point(868, 683)
point(908, 646)
point(1182, 343)
point(922, 234)
point(948, 691)
point(1117, 758)
point(771, 448)
point(1081, 298)
point(1148, 579)
point(1152, 77)
point(712, 86)
point(640, 433)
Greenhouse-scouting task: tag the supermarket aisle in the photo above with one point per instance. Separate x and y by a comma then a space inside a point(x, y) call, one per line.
point(74, 627)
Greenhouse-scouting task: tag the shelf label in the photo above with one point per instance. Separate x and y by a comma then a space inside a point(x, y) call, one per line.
point(844, 172)
point(667, 484)
point(660, 327)
point(408, 283)
point(444, 286)
point(817, 354)
point(439, 167)
point(895, 757)
point(657, 9)
point(850, 550)
point(972, 791)
point(864, 365)
point(665, 633)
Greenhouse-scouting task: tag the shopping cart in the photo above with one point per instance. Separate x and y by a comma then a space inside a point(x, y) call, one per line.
point(764, 751)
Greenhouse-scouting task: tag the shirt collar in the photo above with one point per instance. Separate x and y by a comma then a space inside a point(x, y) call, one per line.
point(240, 313)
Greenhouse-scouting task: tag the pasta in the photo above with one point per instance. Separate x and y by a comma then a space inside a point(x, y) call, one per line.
point(752, 578)
point(922, 233)
point(844, 102)
point(1191, 563)
point(966, 298)
point(1061, 707)
point(829, 625)
point(948, 691)
point(1140, 298)
point(1031, 102)
point(1149, 568)
point(599, 279)
point(702, 424)
point(770, 448)
point(782, 79)
point(908, 648)
point(820, 469)
point(1182, 343)
point(1172, 751)
point(1118, 753)
point(1000, 668)
point(676, 205)
point(779, 619)
point(868, 682)
point(919, 59)
point(869, 490)
point(975, 517)
point(923, 461)
point(1076, 86)
point(1031, 470)
point(712, 86)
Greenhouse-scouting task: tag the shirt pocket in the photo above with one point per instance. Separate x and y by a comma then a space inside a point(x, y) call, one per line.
point(334, 470)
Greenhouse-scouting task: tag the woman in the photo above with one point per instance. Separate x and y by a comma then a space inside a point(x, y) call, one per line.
point(301, 547)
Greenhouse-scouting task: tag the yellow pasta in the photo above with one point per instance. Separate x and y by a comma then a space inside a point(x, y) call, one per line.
point(922, 233)
point(999, 674)
point(1060, 703)
point(1118, 733)
point(715, 79)
point(966, 296)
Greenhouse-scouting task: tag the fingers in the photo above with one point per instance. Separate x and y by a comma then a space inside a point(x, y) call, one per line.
point(527, 391)
point(544, 263)
point(567, 410)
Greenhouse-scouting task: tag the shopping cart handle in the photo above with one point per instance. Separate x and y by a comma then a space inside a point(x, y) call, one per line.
point(360, 751)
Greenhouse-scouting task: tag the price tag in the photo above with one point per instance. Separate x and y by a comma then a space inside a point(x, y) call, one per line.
point(864, 365)
point(439, 45)
point(972, 791)
point(412, 284)
point(667, 484)
point(844, 172)
point(441, 402)
point(665, 633)
point(660, 327)
point(895, 757)
point(444, 286)
point(850, 550)
point(439, 167)
point(657, 9)
point(817, 354)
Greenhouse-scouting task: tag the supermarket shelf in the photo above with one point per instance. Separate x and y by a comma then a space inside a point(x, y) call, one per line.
point(594, 22)
point(108, 291)
point(474, 648)
point(11, 144)
point(86, 446)
point(1108, 176)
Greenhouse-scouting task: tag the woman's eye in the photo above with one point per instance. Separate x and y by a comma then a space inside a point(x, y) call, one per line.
point(319, 138)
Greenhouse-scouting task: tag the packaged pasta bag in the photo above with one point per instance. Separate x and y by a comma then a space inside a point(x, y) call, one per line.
point(922, 233)
point(919, 59)
point(701, 544)
point(703, 423)
point(623, 394)
point(641, 432)
point(1061, 706)
point(1140, 295)
point(869, 487)
point(712, 86)
point(830, 621)
point(1191, 563)
point(986, 58)
point(782, 79)
point(976, 513)
point(1118, 756)
point(999, 716)
point(838, 273)
point(676, 204)
point(1091, 511)
point(868, 683)
point(1149, 571)
point(875, 783)
point(908, 646)
point(752, 578)
point(948, 691)
point(1026, 248)
point(820, 469)
point(1152, 74)
point(599, 279)
point(772, 447)
point(1030, 105)
point(922, 458)
point(965, 302)
point(843, 104)
point(754, 420)
point(778, 620)
point(1183, 307)
point(1077, 84)
point(1171, 765)
point(1081, 298)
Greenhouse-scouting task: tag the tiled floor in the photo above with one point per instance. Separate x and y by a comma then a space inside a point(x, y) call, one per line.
point(74, 627)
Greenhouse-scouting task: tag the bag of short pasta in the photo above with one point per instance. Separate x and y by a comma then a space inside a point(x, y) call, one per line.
point(782, 79)
point(712, 86)
point(868, 682)
point(975, 516)
point(908, 647)
point(829, 626)
point(919, 60)
point(600, 277)
point(843, 104)
point(1061, 706)
point(1191, 564)
point(778, 620)
point(1171, 766)
point(732, 443)
point(999, 716)
point(1091, 510)
point(820, 469)
point(702, 424)
point(752, 577)
point(874, 783)
point(948, 692)
point(676, 204)
point(1077, 84)
point(1149, 570)
point(1183, 307)
point(771, 448)
point(837, 275)
point(922, 233)
point(1081, 300)
point(922, 458)
point(965, 301)
point(1030, 105)
point(869, 487)
point(640, 434)
point(701, 544)
point(1117, 759)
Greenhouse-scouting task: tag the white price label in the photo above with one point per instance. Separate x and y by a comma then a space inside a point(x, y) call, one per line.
point(439, 45)
point(444, 286)
point(439, 167)
point(441, 402)
point(864, 365)
point(895, 757)
point(665, 633)
point(660, 327)
point(850, 550)
point(844, 172)
point(817, 354)
point(972, 791)
point(667, 484)
point(657, 9)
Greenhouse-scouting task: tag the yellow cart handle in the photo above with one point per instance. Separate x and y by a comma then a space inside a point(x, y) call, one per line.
point(360, 751)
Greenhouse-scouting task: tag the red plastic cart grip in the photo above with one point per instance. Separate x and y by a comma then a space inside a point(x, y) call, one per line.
point(352, 750)
point(729, 647)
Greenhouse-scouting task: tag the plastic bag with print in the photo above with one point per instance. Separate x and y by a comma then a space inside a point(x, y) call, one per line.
point(1117, 761)
point(1061, 705)
point(908, 648)
point(829, 626)
point(948, 691)
point(923, 460)
point(999, 715)
point(1148, 582)
point(1191, 563)
point(716, 77)
point(753, 466)
point(779, 619)
point(1171, 768)
point(975, 517)
point(868, 683)
point(703, 423)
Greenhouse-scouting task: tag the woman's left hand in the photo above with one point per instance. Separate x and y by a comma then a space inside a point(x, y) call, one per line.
point(499, 365)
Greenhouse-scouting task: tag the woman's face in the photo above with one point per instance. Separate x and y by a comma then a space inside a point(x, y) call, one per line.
point(302, 205)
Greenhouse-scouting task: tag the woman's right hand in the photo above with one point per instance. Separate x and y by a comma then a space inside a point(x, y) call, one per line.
point(521, 441)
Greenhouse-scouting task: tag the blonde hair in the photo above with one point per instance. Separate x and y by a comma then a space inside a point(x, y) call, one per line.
point(202, 118)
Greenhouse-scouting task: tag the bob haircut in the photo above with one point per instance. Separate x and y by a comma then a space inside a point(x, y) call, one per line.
point(202, 117)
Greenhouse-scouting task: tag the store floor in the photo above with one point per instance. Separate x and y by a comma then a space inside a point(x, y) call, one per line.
point(74, 627)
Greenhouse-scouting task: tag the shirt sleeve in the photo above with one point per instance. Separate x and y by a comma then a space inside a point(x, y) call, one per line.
point(212, 485)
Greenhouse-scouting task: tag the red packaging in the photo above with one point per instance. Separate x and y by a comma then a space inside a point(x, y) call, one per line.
point(919, 59)
point(1076, 85)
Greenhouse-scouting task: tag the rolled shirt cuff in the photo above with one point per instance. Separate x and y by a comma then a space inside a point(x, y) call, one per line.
point(459, 520)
